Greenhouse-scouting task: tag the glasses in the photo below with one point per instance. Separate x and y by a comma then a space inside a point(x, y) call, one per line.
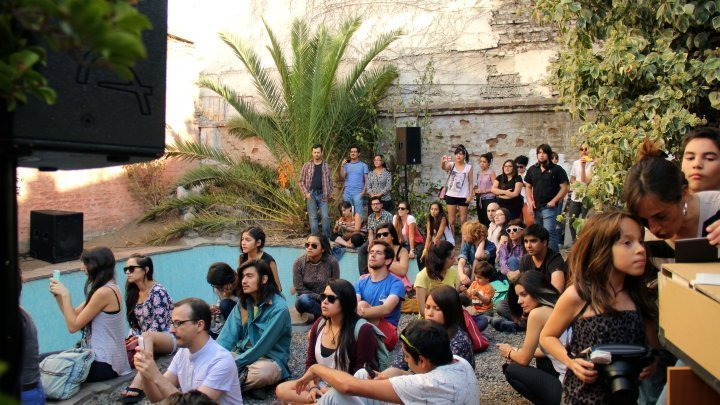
point(520, 167)
point(402, 208)
point(177, 324)
point(130, 269)
point(382, 234)
point(329, 297)
point(583, 149)
point(407, 342)
point(514, 229)
point(376, 204)
point(312, 245)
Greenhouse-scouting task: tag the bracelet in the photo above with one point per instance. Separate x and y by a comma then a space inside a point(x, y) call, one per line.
point(313, 387)
point(513, 349)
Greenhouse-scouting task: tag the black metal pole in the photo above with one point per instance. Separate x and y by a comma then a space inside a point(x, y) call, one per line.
point(11, 335)
point(405, 197)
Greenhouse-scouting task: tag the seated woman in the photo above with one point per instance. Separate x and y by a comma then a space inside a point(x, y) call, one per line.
point(224, 281)
point(407, 228)
point(311, 273)
point(252, 243)
point(475, 246)
point(442, 307)
point(347, 226)
point(496, 230)
point(399, 267)
point(439, 270)
point(533, 297)
point(99, 317)
point(437, 228)
point(148, 307)
point(333, 343)
point(509, 254)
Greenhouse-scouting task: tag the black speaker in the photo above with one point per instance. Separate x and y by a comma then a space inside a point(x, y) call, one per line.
point(408, 145)
point(99, 119)
point(56, 236)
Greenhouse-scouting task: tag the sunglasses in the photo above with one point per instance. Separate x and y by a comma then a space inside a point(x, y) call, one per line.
point(329, 297)
point(583, 149)
point(130, 269)
point(382, 234)
point(177, 324)
point(402, 208)
point(514, 229)
point(312, 245)
point(520, 166)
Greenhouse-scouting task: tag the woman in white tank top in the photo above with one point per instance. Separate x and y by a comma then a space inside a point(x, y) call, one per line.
point(100, 317)
point(458, 185)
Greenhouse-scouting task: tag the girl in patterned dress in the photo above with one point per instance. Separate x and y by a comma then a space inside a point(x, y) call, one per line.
point(608, 302)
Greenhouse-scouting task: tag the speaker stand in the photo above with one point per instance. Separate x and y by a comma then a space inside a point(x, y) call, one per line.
point(11, 337)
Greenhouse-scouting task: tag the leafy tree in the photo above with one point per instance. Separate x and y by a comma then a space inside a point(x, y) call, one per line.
point(634, 70)
point(110, 28)
point(306, 100)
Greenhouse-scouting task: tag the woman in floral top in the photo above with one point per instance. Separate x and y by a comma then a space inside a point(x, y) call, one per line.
point(149, 307)
point(379, 184)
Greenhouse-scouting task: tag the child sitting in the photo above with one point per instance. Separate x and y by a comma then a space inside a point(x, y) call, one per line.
point(481, 293)
point(475, 247)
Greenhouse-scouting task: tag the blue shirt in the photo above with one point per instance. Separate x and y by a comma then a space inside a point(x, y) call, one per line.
point(265, 333)
point(467, 252)
point(355, 177)
point(375, 293)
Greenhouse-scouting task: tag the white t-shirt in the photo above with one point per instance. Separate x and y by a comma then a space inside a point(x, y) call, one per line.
point(575, 172)
point(454, 383)
point(211, 366)
point(410, 220)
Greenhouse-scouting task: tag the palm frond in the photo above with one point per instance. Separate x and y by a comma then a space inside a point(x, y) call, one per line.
point(174, 203)
point(193, 151)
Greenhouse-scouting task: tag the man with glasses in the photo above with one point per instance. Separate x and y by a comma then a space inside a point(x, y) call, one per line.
point(199, 364)
point(355, 174)
point(379, 293)
point(378, 217)
point(438, 376)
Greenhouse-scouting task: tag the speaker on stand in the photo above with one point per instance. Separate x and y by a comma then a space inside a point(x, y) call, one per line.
point(408, 147)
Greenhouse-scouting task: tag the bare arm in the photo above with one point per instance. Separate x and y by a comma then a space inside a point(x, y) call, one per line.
point(383, 310)
point(421, 295)
point(560, 195)
point(76, 319)
point(156, 386)
point(495, 189)
point(400, 265)
point(557, 279)
point(470, 185)
point(536, 320)
point(346, 384)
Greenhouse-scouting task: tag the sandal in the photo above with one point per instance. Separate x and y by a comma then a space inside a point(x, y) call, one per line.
point(131, 399)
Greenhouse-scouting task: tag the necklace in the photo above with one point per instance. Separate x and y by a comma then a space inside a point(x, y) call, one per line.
point(331, 332)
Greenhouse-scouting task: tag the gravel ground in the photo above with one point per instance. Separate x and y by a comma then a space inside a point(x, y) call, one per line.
point(493, 387)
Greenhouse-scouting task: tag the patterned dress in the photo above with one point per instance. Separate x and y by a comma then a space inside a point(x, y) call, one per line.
point(625, 327)
point(153, 315)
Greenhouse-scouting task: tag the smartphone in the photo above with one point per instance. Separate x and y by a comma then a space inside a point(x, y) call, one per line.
point(370, 371)
point(141, 343)
point(695, 250)
point(56, 275)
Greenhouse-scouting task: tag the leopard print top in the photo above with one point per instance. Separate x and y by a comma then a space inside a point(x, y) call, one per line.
point(626, 327)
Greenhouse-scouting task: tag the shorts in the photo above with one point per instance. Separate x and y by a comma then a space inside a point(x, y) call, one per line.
point(456, 201)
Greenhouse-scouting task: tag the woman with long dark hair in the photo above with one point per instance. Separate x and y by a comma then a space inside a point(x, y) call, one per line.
point(507, 188)
point(311, 272)
point(407, 229)
point(252, 242)
point(437, 227)
point(99, 317)
point(333, 342)
point(439, 270)
point(379, 183)
point(459, 184)
point(224, 281)
point(483, 187)
point(148, 309)
point(443, 307)
point(532, 298)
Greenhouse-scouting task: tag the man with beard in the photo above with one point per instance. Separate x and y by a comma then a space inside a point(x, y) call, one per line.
point(546, 184)
point(199, 364)
point(379, 293)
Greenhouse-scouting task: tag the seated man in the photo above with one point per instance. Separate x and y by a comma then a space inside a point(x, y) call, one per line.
point(378, 217)
point(258, 330)
point(199, 364)
point(439, 377)
point(379, 293)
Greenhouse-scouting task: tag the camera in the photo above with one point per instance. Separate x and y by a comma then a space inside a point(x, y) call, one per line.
point(621, 364)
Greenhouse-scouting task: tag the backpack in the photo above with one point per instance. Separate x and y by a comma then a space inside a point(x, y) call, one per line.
point(383, 354)
point(61, 374)
point(501, 288)
point(479, 341)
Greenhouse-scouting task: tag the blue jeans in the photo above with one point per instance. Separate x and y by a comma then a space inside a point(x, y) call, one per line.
point(313, 203)
point(308, 304)
point(357, 201)
point(547, 216)
point(35, 396)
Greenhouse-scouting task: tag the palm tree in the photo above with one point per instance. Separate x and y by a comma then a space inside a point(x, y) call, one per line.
point(304, 101)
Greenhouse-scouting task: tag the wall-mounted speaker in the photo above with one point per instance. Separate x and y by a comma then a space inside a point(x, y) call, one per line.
point(408, 145)
point(99, 119)
point(56, 236)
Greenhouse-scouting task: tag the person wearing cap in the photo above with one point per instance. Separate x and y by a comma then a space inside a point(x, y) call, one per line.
point(224, 281)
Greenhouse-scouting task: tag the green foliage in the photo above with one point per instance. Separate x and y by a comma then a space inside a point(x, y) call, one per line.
point(304, 100)
point(110, 28)
point(634, 70)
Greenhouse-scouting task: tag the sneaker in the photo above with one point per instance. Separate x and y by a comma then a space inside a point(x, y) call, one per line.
point(260, 394)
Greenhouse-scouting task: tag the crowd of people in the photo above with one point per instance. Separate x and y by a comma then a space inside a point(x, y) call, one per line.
point(504, 270)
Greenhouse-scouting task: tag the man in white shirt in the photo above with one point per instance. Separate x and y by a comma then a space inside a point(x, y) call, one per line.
point(199, 364)
point(581, 171)
point(439, 377)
